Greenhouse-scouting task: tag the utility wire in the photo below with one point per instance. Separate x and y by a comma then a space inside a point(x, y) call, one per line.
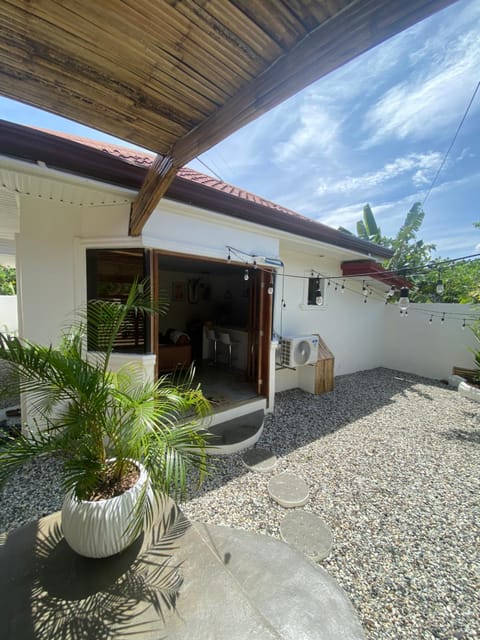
point(210, 169)
point(452, 143)
point(404, 272)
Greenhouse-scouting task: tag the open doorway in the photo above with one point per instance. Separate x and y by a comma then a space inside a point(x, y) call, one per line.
point(220, 318)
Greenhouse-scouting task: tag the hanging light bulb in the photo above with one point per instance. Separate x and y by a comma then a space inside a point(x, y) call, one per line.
point(464, 324)
point(229, 257)
point(364, 289)
point(430, 321)
point(403, 301)
point(318, 294)
point(370, 291)
point(270, 286)
point(364, 301)
point(443, 319)
point(246, 276)
point(342, 288)
point(439, 288)
point(328, 283)
point(336, 287)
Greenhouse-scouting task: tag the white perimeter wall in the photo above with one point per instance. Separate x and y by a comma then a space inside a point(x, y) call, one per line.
point(413, 345)
point(8, 314)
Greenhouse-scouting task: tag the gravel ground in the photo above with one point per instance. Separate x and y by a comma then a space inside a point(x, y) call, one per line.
point(392, 462)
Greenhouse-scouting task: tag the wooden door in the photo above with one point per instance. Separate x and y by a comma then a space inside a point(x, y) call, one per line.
point(259, 331)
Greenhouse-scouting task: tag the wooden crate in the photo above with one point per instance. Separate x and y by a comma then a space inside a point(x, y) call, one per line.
point(324, 369)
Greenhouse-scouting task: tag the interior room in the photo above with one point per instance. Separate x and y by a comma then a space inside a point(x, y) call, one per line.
point(212, 322)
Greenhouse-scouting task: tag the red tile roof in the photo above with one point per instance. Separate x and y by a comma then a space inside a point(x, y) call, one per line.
point(116, 164)
point(141, 158)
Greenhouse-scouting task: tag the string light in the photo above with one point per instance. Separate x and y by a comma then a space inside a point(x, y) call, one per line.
point(403, 301)
point(440, 287)
point(319, 297)
point(404, 272)
point(366, 290)
point(270, 286)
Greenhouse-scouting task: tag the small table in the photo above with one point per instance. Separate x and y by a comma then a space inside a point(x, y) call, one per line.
point(181, 580)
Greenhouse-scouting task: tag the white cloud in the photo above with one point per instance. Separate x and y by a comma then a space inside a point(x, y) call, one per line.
point(318, 131)
point(434, 96)
point(343, 216)
point(423, 164)
point(389, 214)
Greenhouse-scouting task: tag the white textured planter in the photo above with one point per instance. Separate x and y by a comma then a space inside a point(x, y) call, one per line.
point(469, 391)
point(96, 529)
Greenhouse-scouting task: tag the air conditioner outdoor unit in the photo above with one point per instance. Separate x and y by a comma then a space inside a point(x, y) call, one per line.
point(299, 351)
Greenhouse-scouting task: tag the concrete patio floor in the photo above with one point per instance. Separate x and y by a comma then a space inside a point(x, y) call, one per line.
point(180, 581)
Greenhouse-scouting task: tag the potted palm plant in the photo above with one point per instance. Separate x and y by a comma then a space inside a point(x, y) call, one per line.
point(125, 442)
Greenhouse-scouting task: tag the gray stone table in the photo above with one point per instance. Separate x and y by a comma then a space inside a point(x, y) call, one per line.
point(182, 580)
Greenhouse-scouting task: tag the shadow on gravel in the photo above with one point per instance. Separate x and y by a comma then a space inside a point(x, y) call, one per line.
point(465, 436)
point(300, 418)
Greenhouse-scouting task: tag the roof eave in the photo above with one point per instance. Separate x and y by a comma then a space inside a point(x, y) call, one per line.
point(67, 155)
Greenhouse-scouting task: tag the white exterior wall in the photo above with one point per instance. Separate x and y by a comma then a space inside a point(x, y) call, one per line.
point(8, 314)
point(351, 329)
point(45, 267)
point(414, 345)
point(184, 229)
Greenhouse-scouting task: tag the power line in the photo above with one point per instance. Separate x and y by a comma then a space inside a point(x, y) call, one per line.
point(210, 169)
point(452, 143)
point(404, 272)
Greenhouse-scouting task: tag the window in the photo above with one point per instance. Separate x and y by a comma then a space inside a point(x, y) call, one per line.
point(316, 291)
point(110, 274)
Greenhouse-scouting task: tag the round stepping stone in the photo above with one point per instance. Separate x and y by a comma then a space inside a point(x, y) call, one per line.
point(288, 490)
point(259, 460)
point(307, 533)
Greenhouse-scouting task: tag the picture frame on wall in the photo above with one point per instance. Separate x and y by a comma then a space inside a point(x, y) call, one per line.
point(178, 291)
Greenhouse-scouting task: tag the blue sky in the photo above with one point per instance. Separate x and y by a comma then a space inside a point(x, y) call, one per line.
point(375, 130)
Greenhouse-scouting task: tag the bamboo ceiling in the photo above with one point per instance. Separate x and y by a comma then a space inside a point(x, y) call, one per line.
point(178, 76)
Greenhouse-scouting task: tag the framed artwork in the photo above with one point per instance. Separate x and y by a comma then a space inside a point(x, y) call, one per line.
point(178, 291)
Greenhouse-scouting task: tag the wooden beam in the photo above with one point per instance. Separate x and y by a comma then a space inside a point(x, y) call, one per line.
point(352, 31)
point(157, 181)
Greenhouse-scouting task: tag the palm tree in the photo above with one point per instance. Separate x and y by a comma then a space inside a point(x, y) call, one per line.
point(98, 421)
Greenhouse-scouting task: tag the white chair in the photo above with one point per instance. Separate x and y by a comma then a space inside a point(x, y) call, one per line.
point(226, 340)
point(212, 340)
